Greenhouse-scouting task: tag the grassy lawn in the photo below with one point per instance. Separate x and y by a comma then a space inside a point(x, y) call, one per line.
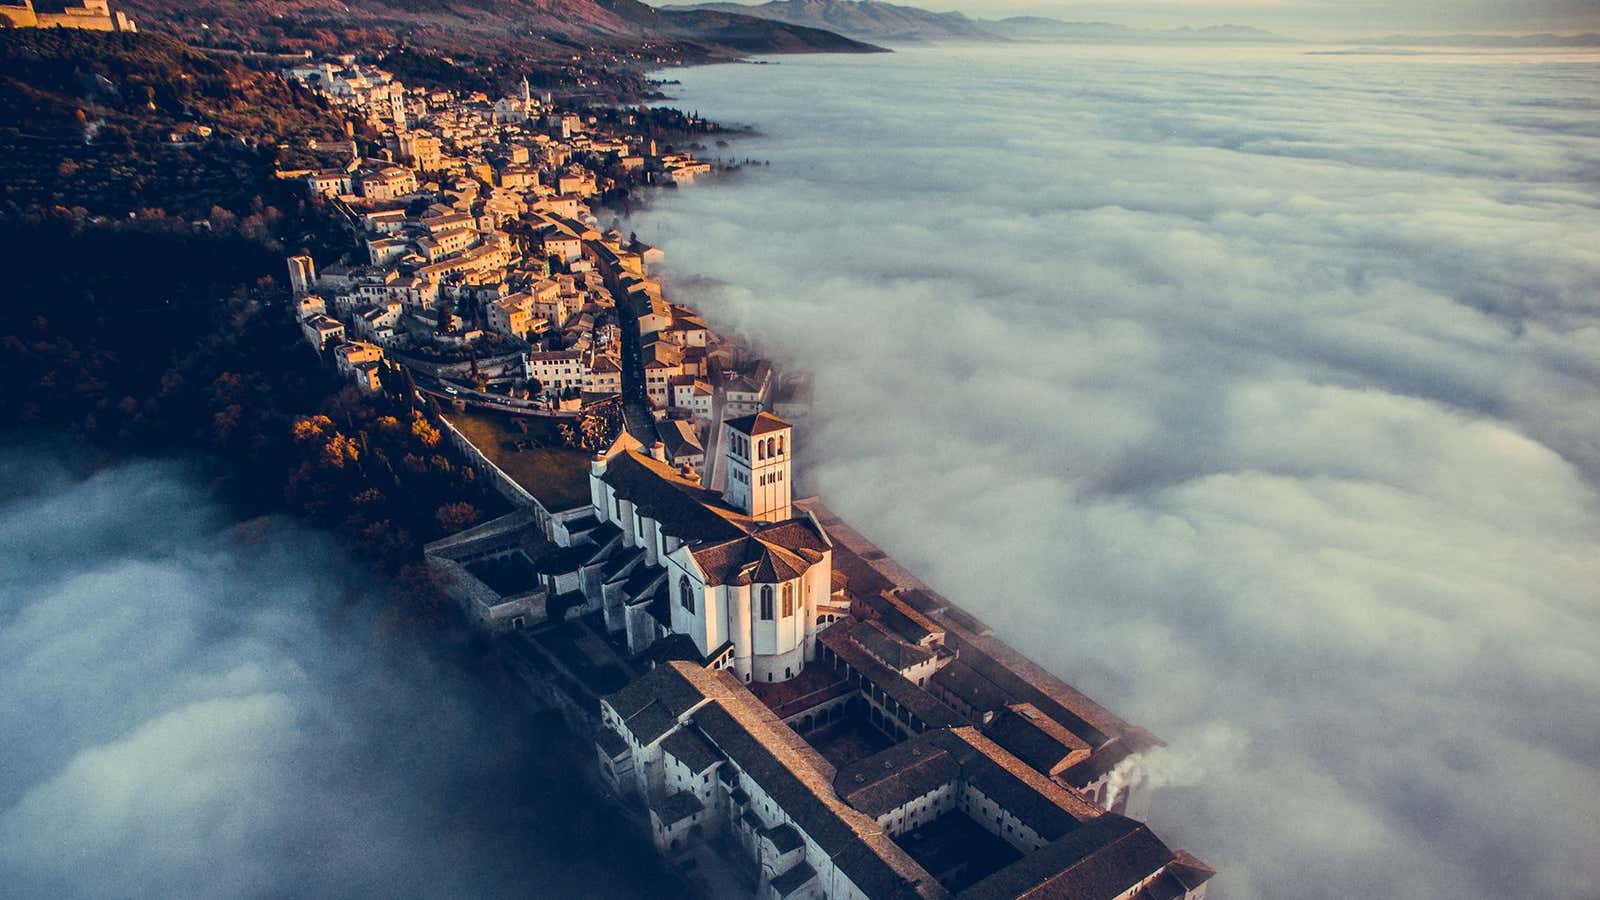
point(556, 475)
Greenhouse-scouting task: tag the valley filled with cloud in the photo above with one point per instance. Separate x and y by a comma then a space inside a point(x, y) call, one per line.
point(1251, 391)
point(195, 708)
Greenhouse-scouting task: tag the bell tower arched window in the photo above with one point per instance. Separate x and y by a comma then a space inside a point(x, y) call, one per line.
point(685, 594)
point(766, 602)
point(788, 600)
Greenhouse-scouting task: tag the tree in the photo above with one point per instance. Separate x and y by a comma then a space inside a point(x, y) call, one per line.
point(454, 517)
point(424, 431)
point(339, 450)
point(596, 433)
point(309, 427)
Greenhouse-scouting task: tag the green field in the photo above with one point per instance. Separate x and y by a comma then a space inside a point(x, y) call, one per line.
point(558, 476)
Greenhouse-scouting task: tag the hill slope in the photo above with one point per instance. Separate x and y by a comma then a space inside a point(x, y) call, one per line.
point(115, 123)
point(865, 20)
point(616, 29)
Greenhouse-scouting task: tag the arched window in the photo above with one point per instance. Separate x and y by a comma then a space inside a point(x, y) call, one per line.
point(780, 445)
point(685, 594)
point(769, 447)
point(788, 600)
point(766, 602)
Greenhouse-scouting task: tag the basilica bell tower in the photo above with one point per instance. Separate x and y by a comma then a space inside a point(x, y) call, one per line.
point(758, 450)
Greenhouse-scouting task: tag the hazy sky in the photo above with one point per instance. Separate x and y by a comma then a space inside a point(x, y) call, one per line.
point(1251, 391)
point(1302, 17)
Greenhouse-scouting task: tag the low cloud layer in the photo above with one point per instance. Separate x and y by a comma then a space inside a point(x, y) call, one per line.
point(1256, 396)
point(1301, 18)
point(193, 710)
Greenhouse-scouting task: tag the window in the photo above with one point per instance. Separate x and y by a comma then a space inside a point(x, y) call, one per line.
point(758, 450)
point(788, 600)
point(769, 447)
point(685, 594)
point(766, 602)
point(780, 445)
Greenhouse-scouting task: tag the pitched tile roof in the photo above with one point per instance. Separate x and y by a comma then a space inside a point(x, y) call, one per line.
point(678, 807)
point(785, 767)
point(889, 780)
point(1099, 861)
point(1036, 739)
point(890, 650)
point(760, 423)
point(691, 748)
point(685, 509)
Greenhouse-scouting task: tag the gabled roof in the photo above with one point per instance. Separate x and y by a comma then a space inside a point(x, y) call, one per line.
point(691, 748)
point(783, 764)
point(680, 439)
point(729, 546)
point(685, 509)
point(678, 807)
point(769, 555)
point(1036, 739)
point(890, 650)
point(913, 768)
point(1100, 861)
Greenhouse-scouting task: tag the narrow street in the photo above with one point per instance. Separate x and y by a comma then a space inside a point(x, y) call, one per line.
point(635, 401)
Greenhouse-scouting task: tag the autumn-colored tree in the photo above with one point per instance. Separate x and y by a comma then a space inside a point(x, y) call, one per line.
point(308, 428)
point(424, 431)
point(224, 422)
point(453, 517)
point(368, 497)
point(339, 450)
point(596, 433)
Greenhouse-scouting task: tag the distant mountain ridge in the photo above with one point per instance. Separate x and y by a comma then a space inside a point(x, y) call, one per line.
point(864, 20)
point(555, 27)
point(1040, 28)
point(890, 23)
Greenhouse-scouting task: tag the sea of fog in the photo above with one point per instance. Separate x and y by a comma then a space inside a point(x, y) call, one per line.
point(1254, 390)
point(194, 707)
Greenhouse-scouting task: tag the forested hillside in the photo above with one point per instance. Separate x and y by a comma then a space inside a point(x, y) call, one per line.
point(117, 123)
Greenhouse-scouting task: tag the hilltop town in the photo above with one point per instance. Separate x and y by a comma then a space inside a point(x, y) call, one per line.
point(790, 712)
point(91, 15)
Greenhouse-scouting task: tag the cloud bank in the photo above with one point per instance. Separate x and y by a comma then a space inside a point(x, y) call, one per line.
point(193, 710)
point(1255, 395)
point(1306, 18)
